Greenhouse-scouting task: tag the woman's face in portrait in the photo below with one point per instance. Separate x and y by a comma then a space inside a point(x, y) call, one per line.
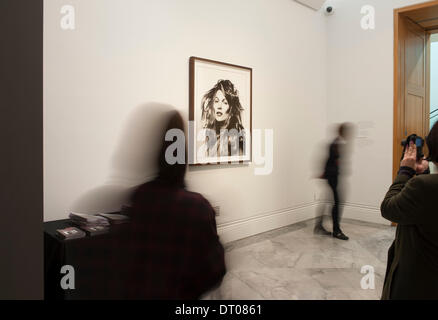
point(221, 106)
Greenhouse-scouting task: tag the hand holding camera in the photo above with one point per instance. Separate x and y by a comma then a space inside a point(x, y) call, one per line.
point(410, 156)
point(422, 166)
point(413, 155)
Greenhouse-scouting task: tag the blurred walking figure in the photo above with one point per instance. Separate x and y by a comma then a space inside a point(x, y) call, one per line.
point(331, 174)
point(174, 249)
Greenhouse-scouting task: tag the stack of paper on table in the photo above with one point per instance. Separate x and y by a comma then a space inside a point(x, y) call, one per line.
point(88, 220)
point(115, 218)
point(94, 231)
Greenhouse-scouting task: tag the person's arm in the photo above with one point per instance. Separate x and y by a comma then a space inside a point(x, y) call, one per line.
point(403, 202)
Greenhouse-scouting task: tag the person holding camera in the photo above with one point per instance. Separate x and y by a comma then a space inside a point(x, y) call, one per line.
point(412, 270)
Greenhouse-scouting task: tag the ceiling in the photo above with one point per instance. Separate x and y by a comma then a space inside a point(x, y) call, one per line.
point(425, 17)
point(314, 4)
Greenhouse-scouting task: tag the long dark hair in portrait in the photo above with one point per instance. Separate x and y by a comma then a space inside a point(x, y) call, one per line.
point(228, 115)
point(234, 119)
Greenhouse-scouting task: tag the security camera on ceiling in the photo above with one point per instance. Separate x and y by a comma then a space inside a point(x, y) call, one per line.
point(329, 10)
point(314, 4)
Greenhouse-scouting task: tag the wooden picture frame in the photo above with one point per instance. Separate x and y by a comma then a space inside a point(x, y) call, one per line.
point(220, 112)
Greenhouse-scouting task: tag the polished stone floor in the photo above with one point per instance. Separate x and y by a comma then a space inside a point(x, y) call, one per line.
point(292, 263)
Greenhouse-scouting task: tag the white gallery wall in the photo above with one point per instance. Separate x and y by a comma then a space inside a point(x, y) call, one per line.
point(360, 90)
point(108, 82)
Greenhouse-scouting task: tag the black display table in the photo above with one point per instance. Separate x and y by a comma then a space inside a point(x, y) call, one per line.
point(97, 262)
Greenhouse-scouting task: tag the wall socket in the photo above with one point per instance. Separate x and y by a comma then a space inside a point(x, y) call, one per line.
point(217, 210)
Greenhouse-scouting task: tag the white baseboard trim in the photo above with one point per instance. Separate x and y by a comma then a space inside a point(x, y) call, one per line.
point(240, 229)
point(363, 213)
point(244, 228)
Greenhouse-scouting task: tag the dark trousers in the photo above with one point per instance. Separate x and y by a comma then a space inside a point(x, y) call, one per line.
point(333, 183)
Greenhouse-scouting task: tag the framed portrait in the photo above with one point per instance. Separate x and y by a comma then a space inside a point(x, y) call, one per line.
point(220, 112)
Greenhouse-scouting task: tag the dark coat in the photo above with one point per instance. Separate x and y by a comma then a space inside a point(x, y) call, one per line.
point(412, 271)
point(173, 248)
point(331, 169)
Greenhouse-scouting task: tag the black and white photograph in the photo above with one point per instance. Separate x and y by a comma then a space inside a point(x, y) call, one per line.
point(220, 108)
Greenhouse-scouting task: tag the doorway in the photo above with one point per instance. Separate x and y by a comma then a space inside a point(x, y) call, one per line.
point(415, 51)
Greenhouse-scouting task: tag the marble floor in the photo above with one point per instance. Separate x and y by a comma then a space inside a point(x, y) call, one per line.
point(292, 263)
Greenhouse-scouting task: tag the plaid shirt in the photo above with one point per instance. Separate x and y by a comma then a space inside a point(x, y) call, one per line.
point(173, 250)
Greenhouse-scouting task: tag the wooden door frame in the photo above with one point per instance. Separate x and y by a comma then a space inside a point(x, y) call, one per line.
point(398, 76)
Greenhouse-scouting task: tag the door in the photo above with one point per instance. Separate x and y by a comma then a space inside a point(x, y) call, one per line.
point(411, 109)
point(415, 113)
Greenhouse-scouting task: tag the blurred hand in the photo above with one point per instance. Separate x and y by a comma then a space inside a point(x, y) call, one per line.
point(422, 166)
point(410, 157)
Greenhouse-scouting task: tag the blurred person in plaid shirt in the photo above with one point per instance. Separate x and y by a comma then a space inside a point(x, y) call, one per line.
point(173, 250)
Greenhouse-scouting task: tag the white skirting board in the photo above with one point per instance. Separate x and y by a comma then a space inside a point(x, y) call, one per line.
point(359, 212)
point(244, 228)
point(363, 213)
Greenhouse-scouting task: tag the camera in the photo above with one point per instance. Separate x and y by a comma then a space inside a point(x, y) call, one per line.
point(329, 10)
point(419, 143)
